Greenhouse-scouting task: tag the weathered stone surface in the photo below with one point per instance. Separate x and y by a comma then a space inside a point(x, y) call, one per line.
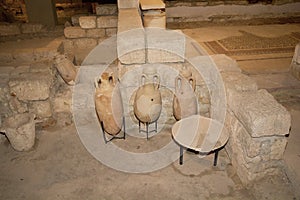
point(62, 102)
point(31, 86)
point(124, 4)
point(131, 37)
point(20, 131)
point(17, 106)
point(252, 158)
point(106, 9)
point(238, 81)
point(152, 4)
point(74, 32)
point(154, 19)
point(95, 33)
point(42, 109)
point(31, 28)
point(261, 114)
point(225, 63)
point(165, 46)
point(68, 45)
point(42, 66)
point(24, 55)
point(6, 57)
point(75, 19)
point(110, 32)
point(9, 29)
point(85, 43)
point(295, 65)
point(107, 22)
point(87, 22)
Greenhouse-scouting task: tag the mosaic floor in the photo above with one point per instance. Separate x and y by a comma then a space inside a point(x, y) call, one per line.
point(250, 44)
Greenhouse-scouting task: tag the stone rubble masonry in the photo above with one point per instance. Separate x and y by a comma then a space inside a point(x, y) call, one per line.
point(85, 43)
point(31, 86)
point(87, 22)
point(74, 32)
point(9, 29)
point(95, 33)
point(32, 28)
point(107, 21)
point(110, 32)
point(42, 109)
point(106, 9)
point(295, 65)
point(261, 114)
point(253, 158)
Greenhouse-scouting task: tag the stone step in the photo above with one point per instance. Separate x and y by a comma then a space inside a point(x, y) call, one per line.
point(29, 51)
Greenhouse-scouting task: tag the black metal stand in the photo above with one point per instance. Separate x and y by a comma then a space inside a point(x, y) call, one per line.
point(181, 155)
point(113, 137)
point(147, 128)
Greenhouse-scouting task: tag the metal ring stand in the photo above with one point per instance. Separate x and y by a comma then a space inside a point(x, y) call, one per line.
point(147, 128)
point(113, 137)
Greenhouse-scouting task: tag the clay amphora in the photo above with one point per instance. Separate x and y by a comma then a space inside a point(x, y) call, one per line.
point(147, 103)
point(66, 69)
point(184, 101)
point(108, 103)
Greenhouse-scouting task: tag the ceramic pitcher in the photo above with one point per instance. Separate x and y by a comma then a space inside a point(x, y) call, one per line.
point(108, 103)
point(184, 101)
point(147, 103)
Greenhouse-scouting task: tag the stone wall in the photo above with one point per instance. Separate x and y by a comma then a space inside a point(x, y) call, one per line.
point(13, 31)
point(230, 11)
point(258, 127)
point(35, 88)
point(87, 32)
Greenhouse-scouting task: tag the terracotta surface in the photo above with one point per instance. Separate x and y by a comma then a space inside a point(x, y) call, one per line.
point(108, 104)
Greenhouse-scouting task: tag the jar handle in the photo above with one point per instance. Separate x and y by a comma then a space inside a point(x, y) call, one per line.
point(192, 82)
point(97, 82)
point(178, 83)
point(156, 81)
point(143, 78)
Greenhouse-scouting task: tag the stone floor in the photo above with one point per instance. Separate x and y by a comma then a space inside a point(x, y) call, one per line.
point(59, 167)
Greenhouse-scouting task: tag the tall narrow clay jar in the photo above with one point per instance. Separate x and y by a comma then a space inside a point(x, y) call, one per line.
point(108, 103)
point(184, 101)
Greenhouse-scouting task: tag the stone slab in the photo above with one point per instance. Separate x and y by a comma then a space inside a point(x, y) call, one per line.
point(225, 63)
point(124, 4)
point(9, 29)
point(131, 37)
point(32, 28)
point(95, 33)
point(84, 43)
point(154, 19)
point(31, 86)
point(107, 21)
point(87, 22)
point(152, 4)
point(74, 32)
point(261, 114)
point(106, 9)
point(165, 46)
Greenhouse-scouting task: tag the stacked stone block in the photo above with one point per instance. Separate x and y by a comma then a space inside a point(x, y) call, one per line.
point(258, 126)
point(87, 32)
